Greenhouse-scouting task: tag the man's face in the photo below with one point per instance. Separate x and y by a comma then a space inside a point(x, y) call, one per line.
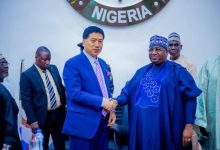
point(157, 55)
point(93, 44)
point(3, 68)
point(174, 48)
point(43, 60)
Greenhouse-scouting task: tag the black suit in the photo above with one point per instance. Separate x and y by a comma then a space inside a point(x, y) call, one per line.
point(35, 103)
point(8, 120)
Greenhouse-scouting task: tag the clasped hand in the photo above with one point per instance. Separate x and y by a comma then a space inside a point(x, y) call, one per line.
point(109, 104)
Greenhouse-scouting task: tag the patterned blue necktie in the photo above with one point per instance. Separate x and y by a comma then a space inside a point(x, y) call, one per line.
point(53, 103)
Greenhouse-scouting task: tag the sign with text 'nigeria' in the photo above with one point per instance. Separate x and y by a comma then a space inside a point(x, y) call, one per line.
point(118, 12)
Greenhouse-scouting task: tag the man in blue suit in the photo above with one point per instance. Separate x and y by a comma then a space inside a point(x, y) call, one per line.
point(43, 98)
point(87, 83)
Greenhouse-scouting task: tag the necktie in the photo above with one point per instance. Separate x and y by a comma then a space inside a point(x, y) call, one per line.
point(53, 102)
point(101, 82)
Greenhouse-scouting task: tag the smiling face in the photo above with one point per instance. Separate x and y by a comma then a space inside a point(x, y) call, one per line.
point(4, 66)
point(174, 48)
point(93, 44)
point(157, 55)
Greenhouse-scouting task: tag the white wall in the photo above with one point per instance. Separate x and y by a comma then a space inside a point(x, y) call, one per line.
point(28, 24)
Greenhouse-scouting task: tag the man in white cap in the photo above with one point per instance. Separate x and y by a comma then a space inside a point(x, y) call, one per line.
point(174, 48)
point(9, 138)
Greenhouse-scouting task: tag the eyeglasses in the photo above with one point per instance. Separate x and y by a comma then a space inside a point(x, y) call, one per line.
point(4, 64)
point(175, 45)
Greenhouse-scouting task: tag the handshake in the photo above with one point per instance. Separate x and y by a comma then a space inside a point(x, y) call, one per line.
point(109, 104)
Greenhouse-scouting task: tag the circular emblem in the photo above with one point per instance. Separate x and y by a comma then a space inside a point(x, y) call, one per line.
point(118, 12)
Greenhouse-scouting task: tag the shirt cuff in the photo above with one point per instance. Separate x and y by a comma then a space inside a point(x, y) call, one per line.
point(102, 102)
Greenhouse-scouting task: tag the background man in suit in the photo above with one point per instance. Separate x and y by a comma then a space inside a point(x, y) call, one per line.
point(43, 98)
point(87, 82)
point(9, 138)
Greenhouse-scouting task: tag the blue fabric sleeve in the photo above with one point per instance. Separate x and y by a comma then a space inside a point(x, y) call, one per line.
point(73, 84)
point(124, 96)
point(130, 86)
point(189, 92)
point(187, 85)
point(190, 110)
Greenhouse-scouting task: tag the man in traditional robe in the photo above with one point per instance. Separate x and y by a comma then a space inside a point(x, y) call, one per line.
point(174, 48)
point(9, 138)
point(208, 108)
point(161, 99)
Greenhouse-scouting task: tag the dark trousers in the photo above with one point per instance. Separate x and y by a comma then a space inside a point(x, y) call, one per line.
point(98, 142)
point(53, 126)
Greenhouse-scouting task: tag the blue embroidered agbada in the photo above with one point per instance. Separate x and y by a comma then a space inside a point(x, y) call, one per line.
point(161, 100)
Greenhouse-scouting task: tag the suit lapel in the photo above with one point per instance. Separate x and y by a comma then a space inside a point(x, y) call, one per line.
point(37, 77)
point(91, 71)
point(53, 73)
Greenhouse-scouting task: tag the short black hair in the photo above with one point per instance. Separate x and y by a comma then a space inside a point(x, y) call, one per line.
point(92, 29)
point(41, 49)
point(80, 45)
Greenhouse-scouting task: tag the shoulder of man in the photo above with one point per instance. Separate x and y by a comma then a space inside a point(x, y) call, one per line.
point(143, 69)
point(75, 59)
point(213, 61)
point(29, 70)
point(5, 95)
point(52, 66)
point(174, 64)
point(1, 86)
point(53, 69)
point(102, 61)
point(187, 60)
point(175, 67)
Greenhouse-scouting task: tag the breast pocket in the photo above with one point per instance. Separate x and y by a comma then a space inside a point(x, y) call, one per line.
point(77, 110)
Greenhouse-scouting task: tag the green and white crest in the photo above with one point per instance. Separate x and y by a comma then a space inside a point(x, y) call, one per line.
point(118, 12)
